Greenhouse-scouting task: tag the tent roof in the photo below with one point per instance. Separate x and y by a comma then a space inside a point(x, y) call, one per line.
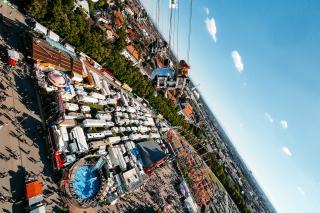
point(43, 51)
point(150, 152)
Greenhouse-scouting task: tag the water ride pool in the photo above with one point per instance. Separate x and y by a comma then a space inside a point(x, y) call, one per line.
point(86, 182)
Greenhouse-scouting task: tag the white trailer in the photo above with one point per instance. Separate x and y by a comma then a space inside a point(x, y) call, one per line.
point(102, 102)
point(125, 115)
point(133, 115)
point(144, 136)
point(77, 135)
point(104, 116)
point(113, 140)
point(74, 115)
point(40, 29)
point(164, 129)
point(124, 100)
point(107, 133)
point(148, 115)
point(154, 135)
point(53, 36)
point(123, 149)
point(118, 114)
point(96, 80)
point(87, 99)
point(143, 129)
point(64, 133)
point(115, 129)
point(95, 136)
point(70, 47)
point(116, 157)
point(135, 137)
point(97, 95)
point(106, 87)
point(94, 123)
point(124, 138)
point(85, 109)
point(111, 101)
point(71, 107)
point(109, 162)
point(109, 124)
point(131, 109)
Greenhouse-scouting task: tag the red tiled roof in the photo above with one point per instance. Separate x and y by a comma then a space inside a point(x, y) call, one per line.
point(118, 18)
point(187, 111)
point(133, 52)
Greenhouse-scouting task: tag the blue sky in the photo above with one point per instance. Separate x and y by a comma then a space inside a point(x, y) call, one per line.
point(258, 66)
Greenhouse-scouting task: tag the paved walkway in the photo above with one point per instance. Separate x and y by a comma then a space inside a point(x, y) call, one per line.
point(22, 146)
point(11, 13)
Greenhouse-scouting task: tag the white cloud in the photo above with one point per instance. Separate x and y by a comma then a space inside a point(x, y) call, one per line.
point(212, 28)
point(301, 191)
point(237, 60)
point(284, 124)
point(286, 151)
point(268, 117)
point(206, 10)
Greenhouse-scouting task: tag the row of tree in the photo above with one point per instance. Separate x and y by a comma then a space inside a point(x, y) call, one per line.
point(214, 164)
point(229, 185)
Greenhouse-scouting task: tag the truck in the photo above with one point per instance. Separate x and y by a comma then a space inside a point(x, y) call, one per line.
point(34, 194)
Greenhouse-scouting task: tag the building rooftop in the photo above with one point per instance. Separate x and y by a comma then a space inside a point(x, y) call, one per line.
point(43, 52)
point(133, 52)
point(187, 110)
point(119, 20)
point(150, 152)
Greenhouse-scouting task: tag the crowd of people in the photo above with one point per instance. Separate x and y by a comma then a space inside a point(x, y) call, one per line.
point(160, 190)
point(21, 134)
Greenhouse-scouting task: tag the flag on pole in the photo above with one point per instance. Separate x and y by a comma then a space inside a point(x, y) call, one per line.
point(173, 4)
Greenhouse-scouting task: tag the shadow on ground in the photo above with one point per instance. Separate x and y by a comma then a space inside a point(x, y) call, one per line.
point(13, 32)
point(17, 189)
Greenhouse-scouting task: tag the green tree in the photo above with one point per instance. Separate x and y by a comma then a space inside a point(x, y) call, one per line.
point(37, 8)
